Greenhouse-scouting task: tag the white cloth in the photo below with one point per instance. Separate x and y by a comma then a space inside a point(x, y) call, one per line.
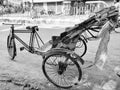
point(101, 54)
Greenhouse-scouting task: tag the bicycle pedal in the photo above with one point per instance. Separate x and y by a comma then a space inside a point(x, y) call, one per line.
point(22, 48)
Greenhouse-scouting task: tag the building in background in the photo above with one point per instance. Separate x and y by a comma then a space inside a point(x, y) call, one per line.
point(67, 7)
point(47, 6)
point(51, 7)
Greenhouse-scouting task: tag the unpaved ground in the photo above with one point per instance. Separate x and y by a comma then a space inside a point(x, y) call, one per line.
point(25, 72)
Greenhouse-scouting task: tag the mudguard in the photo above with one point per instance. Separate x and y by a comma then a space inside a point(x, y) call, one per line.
point(60, 50)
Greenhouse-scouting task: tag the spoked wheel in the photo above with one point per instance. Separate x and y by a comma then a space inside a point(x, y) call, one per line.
point(61, 70)
point(11, 47)
point(81, 47)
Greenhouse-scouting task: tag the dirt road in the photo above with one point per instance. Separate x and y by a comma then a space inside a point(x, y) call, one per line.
point(25, 72)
